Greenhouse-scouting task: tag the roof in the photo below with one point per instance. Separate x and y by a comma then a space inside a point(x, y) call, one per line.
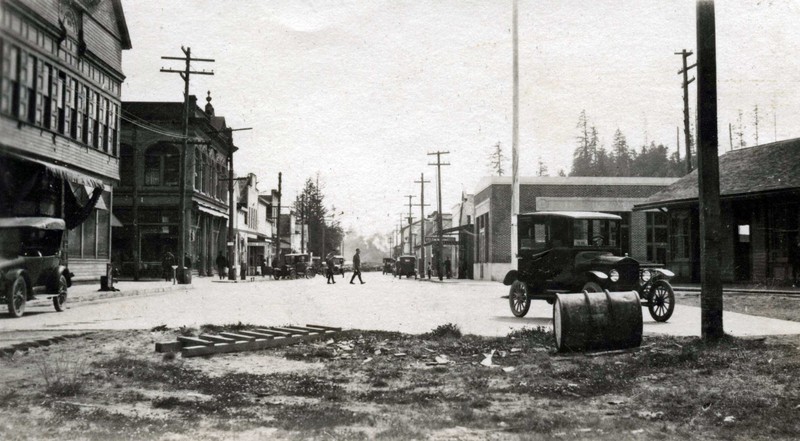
point(125, 36)
point(760, 169)
point(574, 180)
point(43, 223)
point(575, 214)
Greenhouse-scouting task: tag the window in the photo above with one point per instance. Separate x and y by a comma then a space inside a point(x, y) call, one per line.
point(162, 165)
point(61, 96)
point(8, 94)
point(657, 237)
point(113, 121)
point(580, 233)
point(102, 123)
point(27, 97)
point(72, 108)
point(532, 235)
point(198, 170)
point(679, 237)
point(80, 111)
point(783, 222)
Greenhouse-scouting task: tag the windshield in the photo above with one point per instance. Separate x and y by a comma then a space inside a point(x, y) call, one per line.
point(595, 233)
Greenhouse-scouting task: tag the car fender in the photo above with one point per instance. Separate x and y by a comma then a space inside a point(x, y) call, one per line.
point(597, 275)
point(664, 273)
point(52, 281)
point(10, 276)
point(510, 277)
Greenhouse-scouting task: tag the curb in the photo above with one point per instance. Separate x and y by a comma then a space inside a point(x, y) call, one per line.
point(103, 295)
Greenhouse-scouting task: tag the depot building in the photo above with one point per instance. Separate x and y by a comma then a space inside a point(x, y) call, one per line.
point(644, 233)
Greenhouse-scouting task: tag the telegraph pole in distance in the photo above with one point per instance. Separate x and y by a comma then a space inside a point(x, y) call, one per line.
point(303, 223)
point(686, 81)
point(185, 75)
point(278, 217)
point(410, 222)
point(439, 165)
point(422, 206)
point(708, 174)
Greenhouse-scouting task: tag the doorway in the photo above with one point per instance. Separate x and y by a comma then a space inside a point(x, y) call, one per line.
point(742, 248)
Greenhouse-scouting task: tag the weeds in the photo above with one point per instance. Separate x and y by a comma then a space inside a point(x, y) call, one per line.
point(229, 327)
point(159, 328)
point(448, 330)
point(62, 377)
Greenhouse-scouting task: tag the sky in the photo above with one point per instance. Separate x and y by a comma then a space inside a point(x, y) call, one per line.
point(357, 93)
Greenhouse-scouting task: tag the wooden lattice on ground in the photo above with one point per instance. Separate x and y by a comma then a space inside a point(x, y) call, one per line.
point(246, 340)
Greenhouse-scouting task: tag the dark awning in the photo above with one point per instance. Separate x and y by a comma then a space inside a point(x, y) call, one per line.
point(63, 172)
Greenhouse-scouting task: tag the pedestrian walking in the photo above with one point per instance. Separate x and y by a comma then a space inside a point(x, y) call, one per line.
point(356, 267)
point(166, 265)
point(222, 265)
point(448, 267)
point(430, 269)
point(329, 265)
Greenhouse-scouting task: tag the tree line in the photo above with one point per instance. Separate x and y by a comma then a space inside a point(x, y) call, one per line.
point(310, 209)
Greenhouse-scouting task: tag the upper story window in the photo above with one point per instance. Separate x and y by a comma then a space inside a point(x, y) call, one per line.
point(161, 165)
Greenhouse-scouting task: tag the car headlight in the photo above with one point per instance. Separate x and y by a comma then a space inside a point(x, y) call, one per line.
point(613, 275)
point(646, 275)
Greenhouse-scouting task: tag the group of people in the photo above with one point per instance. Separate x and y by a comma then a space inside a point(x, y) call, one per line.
point(331, 265)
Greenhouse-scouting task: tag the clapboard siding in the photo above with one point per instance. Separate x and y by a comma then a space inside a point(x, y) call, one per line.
point(40, 142)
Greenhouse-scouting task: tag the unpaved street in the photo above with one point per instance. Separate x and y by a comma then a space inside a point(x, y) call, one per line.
point(383, 303)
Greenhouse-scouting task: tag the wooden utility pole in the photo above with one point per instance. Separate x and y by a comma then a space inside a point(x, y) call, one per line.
point(422, 206)
point(303, 223)
point(708, 173)
point(278, 216)
point(686, 130)
point(410, 222)
point(185, 75)
point(678, 141)
point(440, 247)
point(514, 140)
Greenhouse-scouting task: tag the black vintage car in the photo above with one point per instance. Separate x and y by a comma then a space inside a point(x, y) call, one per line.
point(563, 252)
point(406, 266)
point(388, 265)
point(30, 262)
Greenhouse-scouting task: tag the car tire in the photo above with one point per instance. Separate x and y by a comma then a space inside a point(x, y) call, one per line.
point(662, 301)
point(592, 287)
point(518, 299)
point(17, 296)
point(61, 298)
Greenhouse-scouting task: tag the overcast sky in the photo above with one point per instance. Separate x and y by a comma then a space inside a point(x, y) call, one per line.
point(360, 91)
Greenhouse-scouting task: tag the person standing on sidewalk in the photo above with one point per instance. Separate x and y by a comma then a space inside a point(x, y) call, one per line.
point(356, 267)
point(329, 264)
point(222, 263)
point(448, 268)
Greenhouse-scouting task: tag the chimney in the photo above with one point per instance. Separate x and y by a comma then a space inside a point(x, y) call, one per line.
point(192, 104)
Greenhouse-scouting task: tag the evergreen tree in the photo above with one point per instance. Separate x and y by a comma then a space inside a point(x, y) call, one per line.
point(310, 207)
point(620, 155)
point(583, 157)
point(497, 159)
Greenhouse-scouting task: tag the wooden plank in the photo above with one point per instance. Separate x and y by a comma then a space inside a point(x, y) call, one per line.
point(220, 348)
point(237, 337)
point(216, 338)
point(291, 331)
point(260, 335)
point(304, 329)
point(323, 327)
point(169, 346)
point(193, 341)
point(274, 332)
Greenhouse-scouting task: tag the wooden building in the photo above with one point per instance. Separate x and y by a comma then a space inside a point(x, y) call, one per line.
point(60, 81)
point(148, 199)
point(760, 202)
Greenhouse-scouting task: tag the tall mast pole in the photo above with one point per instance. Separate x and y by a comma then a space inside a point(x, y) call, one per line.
point(515, 140)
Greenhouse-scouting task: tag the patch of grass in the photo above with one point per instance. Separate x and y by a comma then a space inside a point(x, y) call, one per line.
point(62, 377)
point(187, 331)
point(159, 328)
point(400, 430)
point(209, 328)
point(311, 418)
point(538, 336)
point(448, 330)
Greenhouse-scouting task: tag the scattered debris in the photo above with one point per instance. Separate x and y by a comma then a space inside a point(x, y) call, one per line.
point(647, 415)
point(400, 354)
point(367, 360)
point(516, 349)
point(637, 431)
point(509, 369)
point(487, 361)
point(729, 419)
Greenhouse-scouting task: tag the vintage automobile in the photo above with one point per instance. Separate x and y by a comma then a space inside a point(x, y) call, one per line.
point(388, 265)
point(563, 252)
point(30, 262)
point(296, 266)
point(405, 266)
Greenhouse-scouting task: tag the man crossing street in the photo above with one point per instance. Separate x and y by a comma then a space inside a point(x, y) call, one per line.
point(356, 267)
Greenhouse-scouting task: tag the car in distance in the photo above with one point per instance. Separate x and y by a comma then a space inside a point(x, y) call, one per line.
point(563, 252)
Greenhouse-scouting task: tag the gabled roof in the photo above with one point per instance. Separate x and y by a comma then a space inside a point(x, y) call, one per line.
point(125, 37)
point(760, 169)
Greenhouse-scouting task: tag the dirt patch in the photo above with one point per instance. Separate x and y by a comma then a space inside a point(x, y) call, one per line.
point(391, 386)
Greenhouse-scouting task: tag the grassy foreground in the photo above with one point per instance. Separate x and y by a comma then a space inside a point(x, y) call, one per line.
point(391, 386)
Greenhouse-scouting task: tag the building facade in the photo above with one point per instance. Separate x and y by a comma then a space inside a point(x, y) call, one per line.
point(254, 228)
point(148, 199)
point(60, 81)
point(760, 212)
point(644, 233)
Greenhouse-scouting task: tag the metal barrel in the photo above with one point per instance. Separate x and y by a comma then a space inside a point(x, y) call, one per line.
point(591, 321)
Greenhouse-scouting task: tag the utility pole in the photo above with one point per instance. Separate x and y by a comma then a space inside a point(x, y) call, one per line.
point(439, 165)
point(278, 217)
point(678, 141)
point(303, 223)
point(402, 239)
point(708, 174)
point(410, 222)
point(514, 140)
point(686, 130)
point(185, 75)
point(422, 206)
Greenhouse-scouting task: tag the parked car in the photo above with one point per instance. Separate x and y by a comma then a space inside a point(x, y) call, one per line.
point(388, 265)
point(297, 266)
point(561, 252)
point(406, 266)
point(30, 262)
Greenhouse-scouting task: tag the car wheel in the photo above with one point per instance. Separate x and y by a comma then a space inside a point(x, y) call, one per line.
point(662, 301)
point(592, 287)
point(61, 298)
point(17, 296)
point(518, 299)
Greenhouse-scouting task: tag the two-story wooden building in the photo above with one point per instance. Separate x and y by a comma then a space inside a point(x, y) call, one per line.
point(60, 81)
point(148, 199)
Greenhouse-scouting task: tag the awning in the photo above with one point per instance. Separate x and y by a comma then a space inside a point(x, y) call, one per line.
point(210, 210)
point(63, 172)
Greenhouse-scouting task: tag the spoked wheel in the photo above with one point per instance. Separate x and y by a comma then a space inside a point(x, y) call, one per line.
point(61, 298)
point(592, 287)
point(17, 296)
point(518, 299)
point(662, 301)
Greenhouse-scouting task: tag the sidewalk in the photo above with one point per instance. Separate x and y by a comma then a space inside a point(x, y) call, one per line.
point(86, 292)
point(740, 288)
